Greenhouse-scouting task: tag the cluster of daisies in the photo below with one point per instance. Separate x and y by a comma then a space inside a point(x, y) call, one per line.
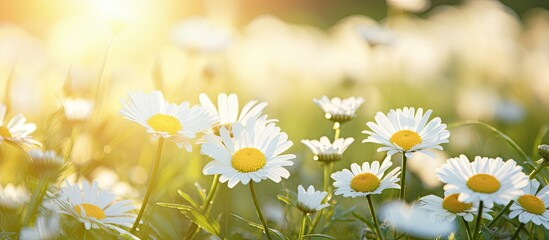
point(246, 147)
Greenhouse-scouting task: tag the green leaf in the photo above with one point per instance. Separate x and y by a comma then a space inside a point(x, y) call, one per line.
point(201, 191)
point(188, 198)
point(363, 220)
point(318, 235)
point(6, 235)
point(196, 216)
point(286, 200)
point(274, 233)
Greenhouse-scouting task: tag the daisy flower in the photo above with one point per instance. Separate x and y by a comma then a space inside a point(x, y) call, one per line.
point(13, 197)
point(325, 151)
point(95, 208)
point(45, 163)
point(407, 131)
point(450, 207)
point(226, 112)
point(485, 179)
point(310, 201)
point(199, 34)
point(77, 109)
point(179, 123)
point(255, 153)
point(337, 109)
point(370, 179)
point(532, 207)
point(16, 130)
point(414, 221)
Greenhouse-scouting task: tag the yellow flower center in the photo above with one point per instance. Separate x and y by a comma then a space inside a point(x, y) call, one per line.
point(91, 211)
point(483, 183)
point(532, 204)
point(406, 139)
point(164, 123)
point(365, 182)
point(452, 204)
point(5, 132)
point(248, 160)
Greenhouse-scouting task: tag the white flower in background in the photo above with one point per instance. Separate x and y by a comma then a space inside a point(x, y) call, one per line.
point(178, 123)
point(376, 35)
point(253, 153)
point(366, 180)
point(450, 207)
point(16, 130)
point(410, 5)
point(310, 201)
point(13, 197)
point(485, 179)
point(408, 131)
point(45, 163)
point(422, 164)
point(227, 113)
point(95, 208)
point(199, 34)
point(45, 228)
point(325, 151)
point(337, 109)
point(532, 206)
point(77, 109)
point(414, 221)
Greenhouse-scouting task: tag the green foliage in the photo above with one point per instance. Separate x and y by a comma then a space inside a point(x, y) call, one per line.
point(196, 216)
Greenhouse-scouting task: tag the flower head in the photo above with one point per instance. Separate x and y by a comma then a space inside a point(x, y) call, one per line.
point(94, 207)
point(310, 201)
point(485, 179)
point(366, 180)
point(199, 34)
point(253, 153)
point(450, 207)
point(16, 130)
point(45, 163)
point(12, 197)
point(407, 131)
point(337, 109)
point(179, 123)
point(325, 151)
point(77, 109)
point(532, 206)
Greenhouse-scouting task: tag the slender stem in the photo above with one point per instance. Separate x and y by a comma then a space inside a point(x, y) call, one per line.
point(258, 210)
point(193, 230)
point(336, 128)
point(373, 213)
point(467, 229)
point(403, 178)
point(150, 186)
point(532, 233)
point(303, 225)
point(327, 188)
point(37, 197)
point(479, 220)
point(515, 235)
point(531, 176)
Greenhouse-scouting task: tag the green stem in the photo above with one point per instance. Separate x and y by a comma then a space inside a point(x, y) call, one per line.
point(532, 233)
point(151, 184)
point(37, 197)
point(193, 230)
point(303, 224)
point(373, 213)
point(467, 229)
point(258, 210)
point(327, 188)
point(336, 128)
point(515, 235)
point(403, 178)
point(479, 220)
point(531, 176)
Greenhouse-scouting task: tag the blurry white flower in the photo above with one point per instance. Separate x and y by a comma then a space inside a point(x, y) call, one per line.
point(423, 165)
point(532, 206)
point(414, 221)
point(337, 109)
point(95, 208)
point(199, 34)
point(450, 207)
point(410, 5)
point(509, 111)
point(253, 153)
point(310, 201)
point(366, 180)
point(485, 179)
point(376, 35)
point(45, 228)
point(407, 131)
point(325, 151)
point(16, 130)
point(77, 109)
point(45, 163)
point(179, 123)
point(13, 197)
